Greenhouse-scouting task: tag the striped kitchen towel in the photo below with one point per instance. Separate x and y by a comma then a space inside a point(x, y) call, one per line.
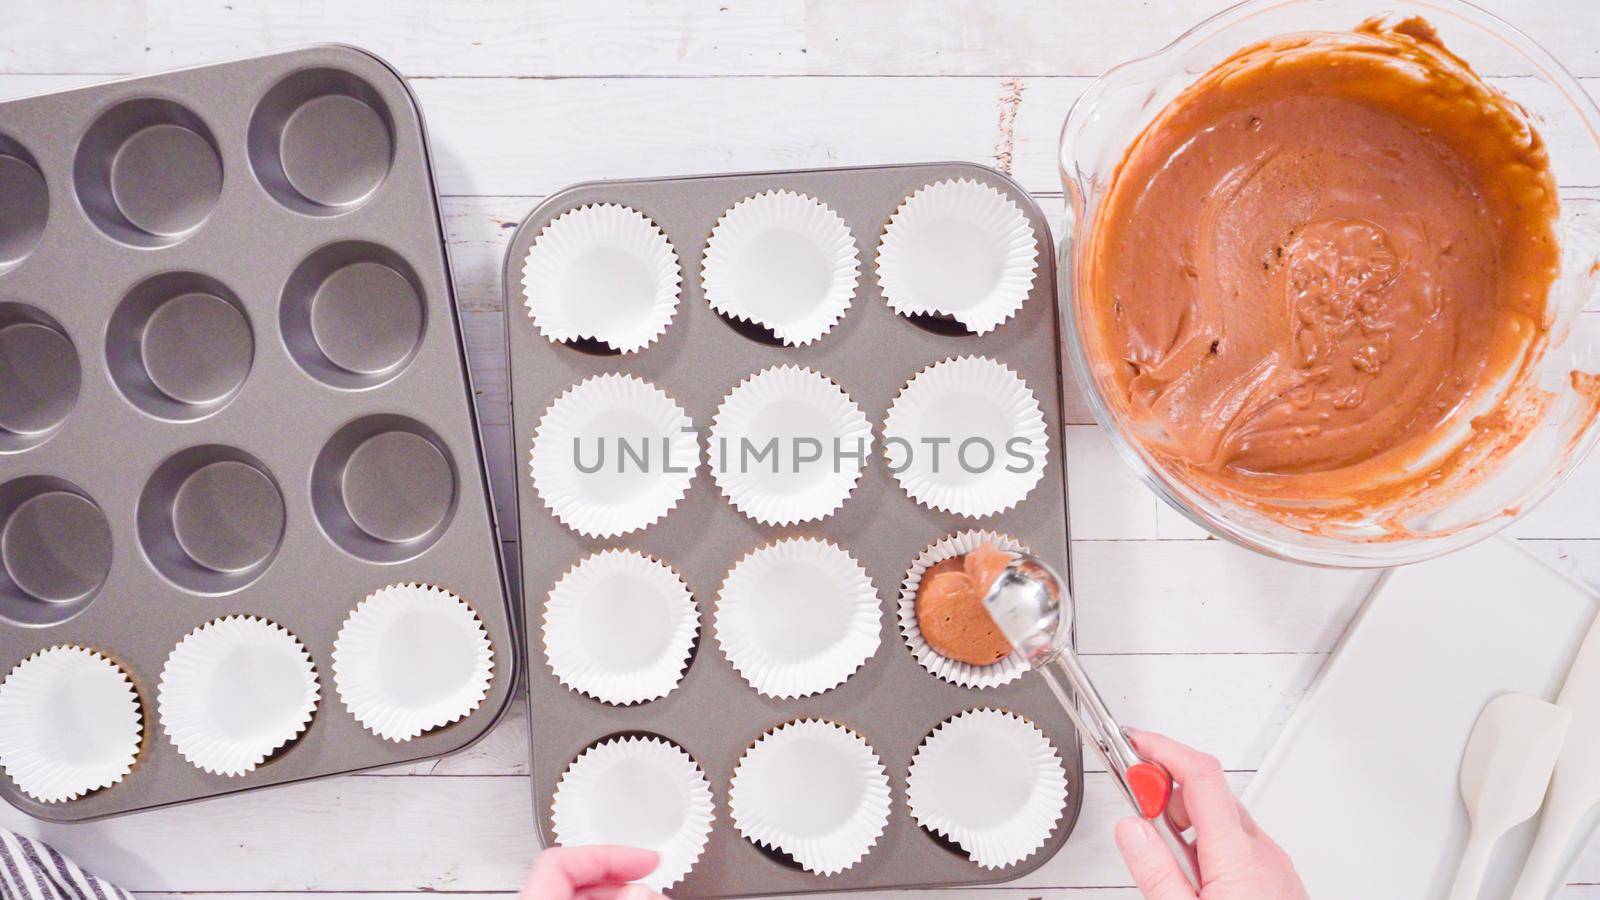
point(30, 870)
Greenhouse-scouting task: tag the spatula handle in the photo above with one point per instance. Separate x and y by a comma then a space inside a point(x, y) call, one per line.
point(1474, 862)
point(1562, 816)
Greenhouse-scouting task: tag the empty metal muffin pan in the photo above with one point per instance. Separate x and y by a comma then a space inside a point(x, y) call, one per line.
point(871, 353)
point(232, 381)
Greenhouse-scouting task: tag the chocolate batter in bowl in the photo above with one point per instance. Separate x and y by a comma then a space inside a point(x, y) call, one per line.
point(1327, 275)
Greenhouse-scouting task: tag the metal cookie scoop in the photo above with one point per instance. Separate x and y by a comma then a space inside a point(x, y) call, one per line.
point(1033, 609)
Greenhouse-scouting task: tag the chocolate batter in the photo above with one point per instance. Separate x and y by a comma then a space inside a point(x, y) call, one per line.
point(950, 610)
point(1319, 268)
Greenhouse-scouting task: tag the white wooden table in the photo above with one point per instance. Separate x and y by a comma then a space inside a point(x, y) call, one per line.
point(1193, 636)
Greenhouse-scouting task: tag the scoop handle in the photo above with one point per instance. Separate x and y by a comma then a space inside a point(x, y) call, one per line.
point(1145, 784)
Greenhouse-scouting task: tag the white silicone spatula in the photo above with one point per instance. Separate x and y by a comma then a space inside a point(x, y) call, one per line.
point(1505, 772)
point(1575, 788)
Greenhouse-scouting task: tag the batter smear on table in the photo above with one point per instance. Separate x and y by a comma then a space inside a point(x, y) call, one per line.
point(1319, 268)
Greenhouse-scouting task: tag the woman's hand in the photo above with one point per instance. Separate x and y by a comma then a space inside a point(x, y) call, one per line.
point(1237, 859)
point(590, 873)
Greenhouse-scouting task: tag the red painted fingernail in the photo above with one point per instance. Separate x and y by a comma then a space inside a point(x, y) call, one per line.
point(1151, 787)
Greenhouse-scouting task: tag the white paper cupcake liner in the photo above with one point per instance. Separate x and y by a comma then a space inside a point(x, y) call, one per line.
point(991, 782)
point(788, 445)
point(797, 617)
point(637, 792)
point(603, 272)
point(813, 790)
point(784, 261)
point(966, 436)
point(960, 249)
point(70, 723)
point(620, 627)
point(234, 691)
point(638, 446)
point(411, 658)
point(952, 670)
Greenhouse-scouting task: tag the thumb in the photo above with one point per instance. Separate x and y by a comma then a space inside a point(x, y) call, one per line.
point(1150, 862)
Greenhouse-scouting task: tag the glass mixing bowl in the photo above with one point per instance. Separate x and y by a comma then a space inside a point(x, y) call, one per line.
point(1117, 107)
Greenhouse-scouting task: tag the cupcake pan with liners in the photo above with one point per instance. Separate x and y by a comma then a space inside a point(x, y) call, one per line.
point(871, 353)
point(234, 384)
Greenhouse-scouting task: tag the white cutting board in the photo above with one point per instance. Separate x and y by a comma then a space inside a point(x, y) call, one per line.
point(1362, 787)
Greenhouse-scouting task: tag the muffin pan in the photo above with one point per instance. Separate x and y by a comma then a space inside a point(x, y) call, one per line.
point(234, 385)
point(872, 352)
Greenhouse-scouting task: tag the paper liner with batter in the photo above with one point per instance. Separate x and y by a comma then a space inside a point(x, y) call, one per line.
point(70, 723)
point(966, 436)
point(788, 445)
point(605, 273)
point(637, 792)
point(797, 617)
point(814, 790)
point(990, 781)
point(411, 658)
point(620, 627)
point(638, 446)
point(952, 670)
point(784, 261)
point(234, 691)
point(958, 248)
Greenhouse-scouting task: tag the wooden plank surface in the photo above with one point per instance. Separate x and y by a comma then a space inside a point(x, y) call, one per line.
point(675, 38)
point(1185, 633)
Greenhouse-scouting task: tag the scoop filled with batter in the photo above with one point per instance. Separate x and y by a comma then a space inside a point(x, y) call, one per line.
point(1321, 272)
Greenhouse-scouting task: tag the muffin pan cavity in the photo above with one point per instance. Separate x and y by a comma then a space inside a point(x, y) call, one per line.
point(24, 203)
point(869, 683)
point(321, 141)
point(55, 550)
point(148, 172)
point(211, 519)
point(233, 386)
point(384, 488)
point(179, 346)
point(39, 367)
point(353, 314)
